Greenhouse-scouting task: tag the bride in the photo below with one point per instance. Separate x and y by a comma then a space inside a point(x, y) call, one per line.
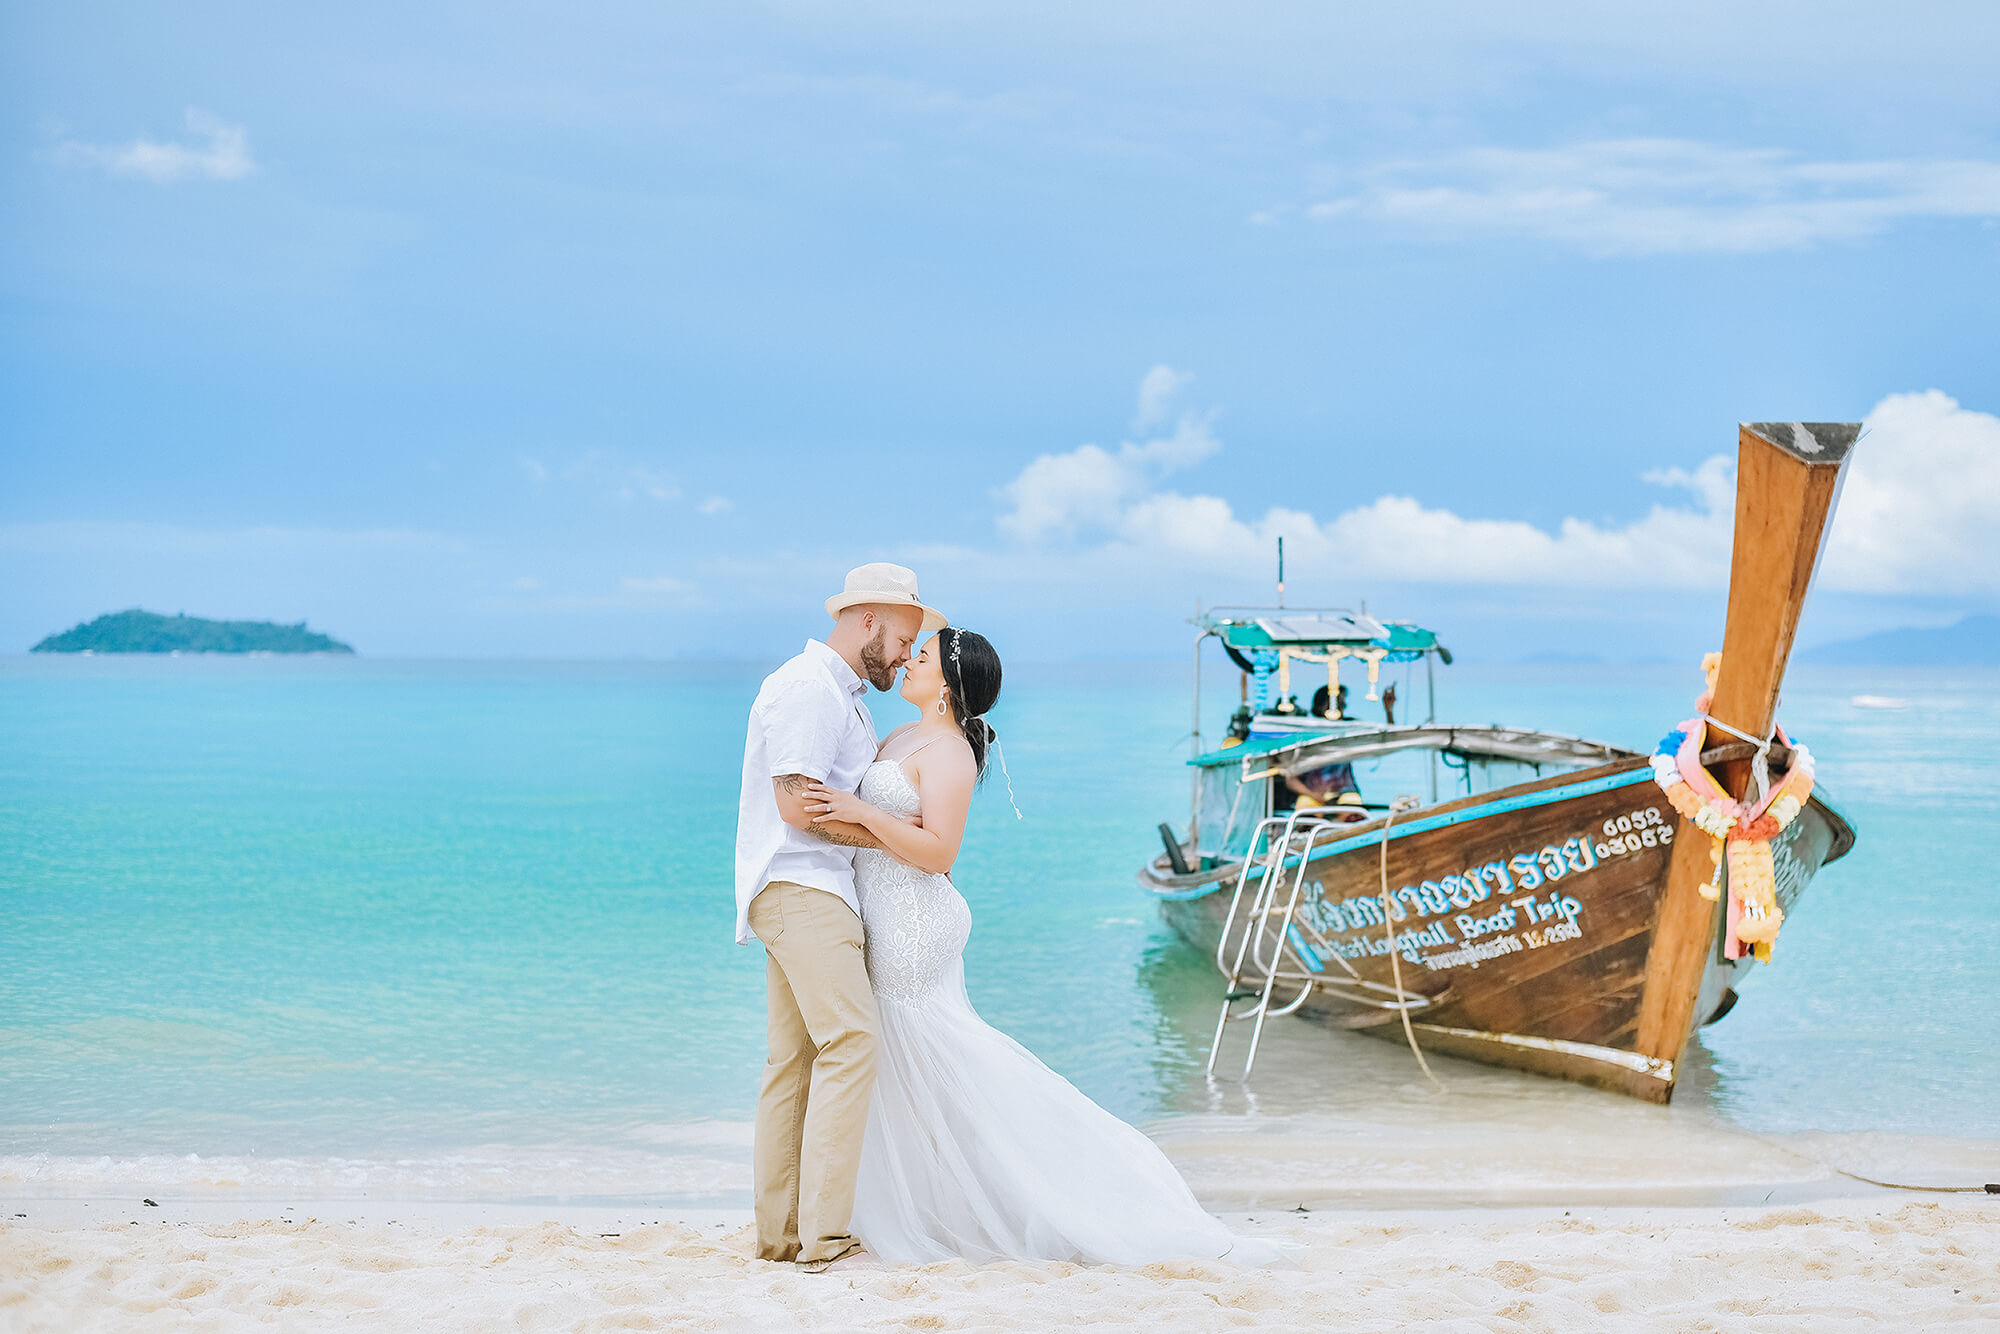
point(974, 1148)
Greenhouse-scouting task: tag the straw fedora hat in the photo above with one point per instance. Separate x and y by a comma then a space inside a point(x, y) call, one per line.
point(891, 585)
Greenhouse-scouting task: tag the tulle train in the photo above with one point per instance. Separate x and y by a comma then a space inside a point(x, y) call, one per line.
point(977, 1150)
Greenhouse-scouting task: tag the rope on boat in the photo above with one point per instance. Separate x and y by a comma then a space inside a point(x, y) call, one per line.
point(1395, 964)
point(1743, 829)
point(1760, 763)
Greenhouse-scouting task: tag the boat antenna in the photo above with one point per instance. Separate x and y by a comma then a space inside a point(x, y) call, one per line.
point(1281, 572)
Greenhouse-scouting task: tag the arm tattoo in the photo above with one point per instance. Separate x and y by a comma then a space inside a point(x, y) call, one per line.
point(846, 835)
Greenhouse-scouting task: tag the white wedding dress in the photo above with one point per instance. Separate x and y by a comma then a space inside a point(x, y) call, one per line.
point(974, 1148)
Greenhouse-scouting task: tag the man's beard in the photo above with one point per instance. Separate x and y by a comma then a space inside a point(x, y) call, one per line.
point(875, 661)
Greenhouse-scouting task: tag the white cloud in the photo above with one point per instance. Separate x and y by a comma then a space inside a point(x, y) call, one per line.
point(644, 483)
point(656, 586)
point(1917, 515)
point(610, 475)
point(1920, 510)
point(1156, 396)
point(527, 583)
point(716, 505)
point(223, 154)
point(1656, 196)
point(1713, 483)
point(1400, 538)
point(1062, 494)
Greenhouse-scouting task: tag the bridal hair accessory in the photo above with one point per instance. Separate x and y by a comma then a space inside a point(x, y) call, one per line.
point(956, 670)
point(993, 740)
point(992, 737)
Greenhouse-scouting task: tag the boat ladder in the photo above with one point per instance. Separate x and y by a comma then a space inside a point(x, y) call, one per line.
point(1271, 939)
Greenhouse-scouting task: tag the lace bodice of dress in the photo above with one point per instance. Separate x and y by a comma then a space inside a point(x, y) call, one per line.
point(916, 922)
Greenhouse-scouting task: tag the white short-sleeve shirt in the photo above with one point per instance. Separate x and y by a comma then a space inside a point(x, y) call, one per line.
point(809, 719)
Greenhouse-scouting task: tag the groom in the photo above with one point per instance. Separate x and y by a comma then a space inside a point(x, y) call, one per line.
point(795, 892)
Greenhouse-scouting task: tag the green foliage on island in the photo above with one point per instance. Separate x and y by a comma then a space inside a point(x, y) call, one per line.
point(138, 631)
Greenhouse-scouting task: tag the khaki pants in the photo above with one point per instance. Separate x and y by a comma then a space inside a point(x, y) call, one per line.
point(821, 1071)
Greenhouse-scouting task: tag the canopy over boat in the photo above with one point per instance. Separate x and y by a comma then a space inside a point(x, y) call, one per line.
point(1267, 643)
point(1317, 630)
point(1322, 741)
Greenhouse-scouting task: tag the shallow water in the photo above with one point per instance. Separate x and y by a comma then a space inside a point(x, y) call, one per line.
point(466, 926)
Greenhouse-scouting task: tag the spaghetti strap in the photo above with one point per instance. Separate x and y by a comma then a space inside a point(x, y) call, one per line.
point(939, 737)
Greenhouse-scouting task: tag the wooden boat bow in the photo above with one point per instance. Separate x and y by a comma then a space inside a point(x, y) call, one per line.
point(1788, 477)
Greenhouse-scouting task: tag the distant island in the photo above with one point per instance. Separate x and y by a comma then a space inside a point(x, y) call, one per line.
point(1973, 642)
point(138, 631)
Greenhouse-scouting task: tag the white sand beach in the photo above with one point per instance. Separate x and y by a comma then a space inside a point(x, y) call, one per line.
point(1507, 1204)
point(1570, 1210)
point(1845, 1264)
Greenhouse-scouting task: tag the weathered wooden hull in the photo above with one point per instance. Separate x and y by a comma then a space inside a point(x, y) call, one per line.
point(1526, 914)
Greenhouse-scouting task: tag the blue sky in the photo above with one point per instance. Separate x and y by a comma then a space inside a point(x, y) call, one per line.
point(611, 330)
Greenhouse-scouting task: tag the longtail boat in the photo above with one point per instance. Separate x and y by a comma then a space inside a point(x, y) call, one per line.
point(1533, 900)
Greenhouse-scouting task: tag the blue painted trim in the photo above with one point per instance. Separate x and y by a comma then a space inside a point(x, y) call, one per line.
point(1526, 801)
point(1307, 954)
point(1188, 895)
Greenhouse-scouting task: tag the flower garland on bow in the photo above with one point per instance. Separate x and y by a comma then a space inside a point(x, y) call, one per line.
point(1742, 830)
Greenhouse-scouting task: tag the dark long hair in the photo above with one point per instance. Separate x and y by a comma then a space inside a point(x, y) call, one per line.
point(972, 672)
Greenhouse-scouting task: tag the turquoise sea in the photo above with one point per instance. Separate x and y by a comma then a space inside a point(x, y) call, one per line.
point(447, 926)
